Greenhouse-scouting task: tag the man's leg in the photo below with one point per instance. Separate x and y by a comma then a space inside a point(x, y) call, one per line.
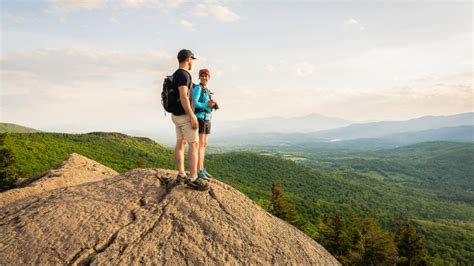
point(194, 181)
point(180, 144)
point(193, 158)
point(179, 155)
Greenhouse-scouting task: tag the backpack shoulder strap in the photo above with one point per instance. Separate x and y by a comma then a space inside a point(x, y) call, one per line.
point(185, 71)
point(203, 90)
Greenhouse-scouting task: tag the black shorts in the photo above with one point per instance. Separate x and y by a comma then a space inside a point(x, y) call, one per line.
point(204, 126)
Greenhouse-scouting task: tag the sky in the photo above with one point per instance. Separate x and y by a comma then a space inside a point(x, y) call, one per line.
point(88, 65)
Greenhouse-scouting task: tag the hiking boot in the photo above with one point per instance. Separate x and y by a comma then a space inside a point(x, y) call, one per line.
point(207, 174)
point(202, 175)
point(180, 180)
point(197, 184)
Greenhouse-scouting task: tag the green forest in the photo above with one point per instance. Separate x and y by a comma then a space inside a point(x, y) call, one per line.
point(356, 195)
point(357, 242)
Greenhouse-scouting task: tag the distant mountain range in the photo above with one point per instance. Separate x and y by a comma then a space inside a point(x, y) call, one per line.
point(459, 133)
point(301, 124)
point(458, 127)
point(386, 128)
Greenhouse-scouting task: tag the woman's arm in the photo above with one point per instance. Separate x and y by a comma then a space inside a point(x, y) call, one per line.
point(209, 102)
point(197, 94)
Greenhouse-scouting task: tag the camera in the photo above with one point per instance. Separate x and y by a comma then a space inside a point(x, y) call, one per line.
point(215, 106)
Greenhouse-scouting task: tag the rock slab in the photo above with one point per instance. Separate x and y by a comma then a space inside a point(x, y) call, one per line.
point(143, 216)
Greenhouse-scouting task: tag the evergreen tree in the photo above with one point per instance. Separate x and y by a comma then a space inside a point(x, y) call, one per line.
point(341, 240)
point(325, 232)
point(333, 235)
point(410, 245)
point(282, 209)
point(353, 233)
point(375, 247)
point(279, 203)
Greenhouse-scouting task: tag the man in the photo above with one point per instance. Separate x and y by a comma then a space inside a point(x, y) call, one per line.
point(186, 123)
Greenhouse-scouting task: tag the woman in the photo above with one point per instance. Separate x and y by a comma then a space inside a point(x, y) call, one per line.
point(203, 105)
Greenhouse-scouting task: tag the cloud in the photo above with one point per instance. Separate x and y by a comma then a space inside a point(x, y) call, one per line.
point(152, 3)
point(215, 11)
point(304, 69)
point(84, 86)
point(186, 25)
point(376, 67)
point(353, 24)
point(14, 18)
point(409, 101)
point(64, 66)
point(75, 5)
point(65, 6)
point(452, 94)
point(270, 68)
point(116, 21)
point(300, 69)
point(134, 2)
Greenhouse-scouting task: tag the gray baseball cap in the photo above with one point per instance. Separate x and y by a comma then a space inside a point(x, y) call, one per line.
point(184, 53)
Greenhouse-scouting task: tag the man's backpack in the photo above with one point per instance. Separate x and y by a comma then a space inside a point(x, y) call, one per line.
point(170, 96)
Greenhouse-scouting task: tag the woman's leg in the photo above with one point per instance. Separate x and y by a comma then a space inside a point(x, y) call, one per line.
point(202, 150)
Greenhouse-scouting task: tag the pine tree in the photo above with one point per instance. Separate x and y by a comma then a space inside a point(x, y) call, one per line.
point(333, 235)
point(354, 233)
point(410, 245)
point(282, 209)
point(375, 247)
point(279, 203)
point(324, 231)
point(340, 239)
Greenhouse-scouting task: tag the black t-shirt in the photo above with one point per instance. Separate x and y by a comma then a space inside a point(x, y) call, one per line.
point(183, 78)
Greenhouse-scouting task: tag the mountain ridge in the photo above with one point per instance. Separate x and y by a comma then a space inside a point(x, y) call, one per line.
point(11, 127)
point(383, 128)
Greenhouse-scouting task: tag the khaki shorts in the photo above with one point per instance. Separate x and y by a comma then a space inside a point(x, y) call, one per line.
point(184, 129)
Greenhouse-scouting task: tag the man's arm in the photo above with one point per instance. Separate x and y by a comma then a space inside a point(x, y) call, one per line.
point(183, 96)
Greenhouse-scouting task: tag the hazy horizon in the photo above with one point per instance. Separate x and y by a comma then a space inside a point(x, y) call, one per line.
point(167, 136)
point(99, 64)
